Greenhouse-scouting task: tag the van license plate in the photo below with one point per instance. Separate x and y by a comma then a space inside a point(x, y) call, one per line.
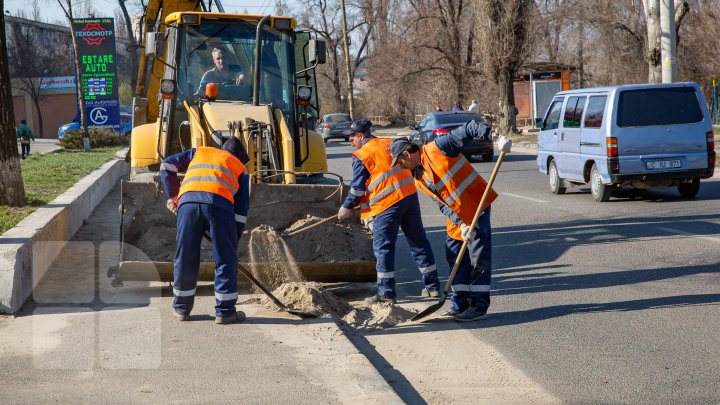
point(663, 164)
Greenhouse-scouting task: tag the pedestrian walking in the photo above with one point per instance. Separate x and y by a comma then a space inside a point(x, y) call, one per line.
point(214, 197)
point(24, 135)
point(444, 174)
point(388, 201)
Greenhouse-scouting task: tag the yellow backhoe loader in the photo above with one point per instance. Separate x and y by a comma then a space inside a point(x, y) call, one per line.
point(272, 112)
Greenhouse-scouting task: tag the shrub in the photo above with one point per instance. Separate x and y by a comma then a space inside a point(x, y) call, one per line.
point(98, 138)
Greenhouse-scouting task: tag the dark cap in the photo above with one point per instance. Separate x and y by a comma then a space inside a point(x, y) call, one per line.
point(362, 125)
point(236, 148)
point(397, 147)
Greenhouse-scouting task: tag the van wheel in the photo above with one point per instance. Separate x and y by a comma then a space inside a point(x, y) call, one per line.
point(488, 156)
point(689, 190)
point(556, 183)
point(600, 191)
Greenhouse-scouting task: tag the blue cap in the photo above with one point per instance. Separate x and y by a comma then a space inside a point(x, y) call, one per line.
point(362, 125)
point(397, 147)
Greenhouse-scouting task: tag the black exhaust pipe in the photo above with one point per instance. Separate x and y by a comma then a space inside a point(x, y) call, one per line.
point(258, 57)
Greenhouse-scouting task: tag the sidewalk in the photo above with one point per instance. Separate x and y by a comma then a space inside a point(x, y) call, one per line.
point(42, 146)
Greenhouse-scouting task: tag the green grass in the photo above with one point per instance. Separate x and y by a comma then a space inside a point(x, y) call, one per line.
point(47, 176)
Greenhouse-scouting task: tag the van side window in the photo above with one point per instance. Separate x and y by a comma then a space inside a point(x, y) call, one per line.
point(552, 121)
point(595, 111)
point(573, 112)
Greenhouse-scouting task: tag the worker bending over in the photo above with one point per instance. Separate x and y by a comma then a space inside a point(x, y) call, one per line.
point(388, 200)
point(214, 197)
point(445, 175)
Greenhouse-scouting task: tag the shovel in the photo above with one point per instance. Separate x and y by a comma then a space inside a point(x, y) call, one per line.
point(312, 226)
point(434, 307)
point(267, 292)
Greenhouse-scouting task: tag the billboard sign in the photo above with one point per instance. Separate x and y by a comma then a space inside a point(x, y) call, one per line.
point(98, 70)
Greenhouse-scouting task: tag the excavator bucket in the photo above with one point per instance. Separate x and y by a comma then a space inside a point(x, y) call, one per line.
point(331, 253)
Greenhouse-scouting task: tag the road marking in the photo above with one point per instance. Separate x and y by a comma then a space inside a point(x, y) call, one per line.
point(524, 198)
point(688, 234)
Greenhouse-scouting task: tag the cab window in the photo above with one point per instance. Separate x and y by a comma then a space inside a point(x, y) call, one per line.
point(573, 112)
point(552, 120)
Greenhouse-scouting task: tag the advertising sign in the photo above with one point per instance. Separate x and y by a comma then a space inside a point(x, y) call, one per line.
point(98, 70)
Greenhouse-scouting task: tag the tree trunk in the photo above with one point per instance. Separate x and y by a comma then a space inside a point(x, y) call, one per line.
point(12, 190)
point(652, 18)
point(36, 101)
point(507, 123)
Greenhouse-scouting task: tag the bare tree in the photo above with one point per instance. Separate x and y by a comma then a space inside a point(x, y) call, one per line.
point(503, 40)
point(12, 189)
point(33, 59)
point(323, 17)
point(66, 6)
point(133, 51)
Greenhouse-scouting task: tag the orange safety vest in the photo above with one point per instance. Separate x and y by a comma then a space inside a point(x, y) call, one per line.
point(457, 183)
point(214, 171)
point(387, 185)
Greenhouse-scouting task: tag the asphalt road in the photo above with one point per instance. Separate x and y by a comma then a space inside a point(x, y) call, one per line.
point(598, 302)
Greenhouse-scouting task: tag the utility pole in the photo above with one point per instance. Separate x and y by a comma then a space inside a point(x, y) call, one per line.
point(668, 54)
point(351, 99)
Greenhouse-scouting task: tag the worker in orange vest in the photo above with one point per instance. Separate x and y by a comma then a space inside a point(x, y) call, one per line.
point(388, 201)
point(213, 197)
point(443, 173)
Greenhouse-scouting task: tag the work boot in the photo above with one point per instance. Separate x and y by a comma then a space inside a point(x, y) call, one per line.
point(425, 293)
point(180, 317)
point(471, 314)
point(239, 316)
point(377, 299)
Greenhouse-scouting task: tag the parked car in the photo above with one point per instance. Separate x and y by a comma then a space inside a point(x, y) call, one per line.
point(125, 126)
point(645, 136)
point(434, 124)
point(333, 126)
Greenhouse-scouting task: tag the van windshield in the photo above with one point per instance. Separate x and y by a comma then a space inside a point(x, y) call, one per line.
point(663, 106)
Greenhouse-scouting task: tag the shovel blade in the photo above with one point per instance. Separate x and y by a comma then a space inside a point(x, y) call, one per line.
point(301, 314)
point(429, 310)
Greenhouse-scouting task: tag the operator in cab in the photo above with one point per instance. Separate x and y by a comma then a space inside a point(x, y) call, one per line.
point(230, 79)
point(213, 197)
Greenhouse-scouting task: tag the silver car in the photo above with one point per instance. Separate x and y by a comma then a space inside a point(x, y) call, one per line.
point(334, 125)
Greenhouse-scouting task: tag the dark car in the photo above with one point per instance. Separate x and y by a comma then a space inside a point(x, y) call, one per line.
point(435, 124)
point(334, 125)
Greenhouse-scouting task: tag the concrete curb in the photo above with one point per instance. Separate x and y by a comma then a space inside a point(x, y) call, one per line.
point(23, 260)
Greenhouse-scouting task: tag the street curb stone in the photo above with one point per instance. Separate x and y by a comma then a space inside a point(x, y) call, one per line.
point(23, 261)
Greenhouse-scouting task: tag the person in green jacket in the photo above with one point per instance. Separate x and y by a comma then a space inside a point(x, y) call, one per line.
point(24, 135)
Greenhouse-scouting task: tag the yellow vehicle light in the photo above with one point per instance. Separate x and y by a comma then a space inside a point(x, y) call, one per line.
point(282, 23)
point(190, 19)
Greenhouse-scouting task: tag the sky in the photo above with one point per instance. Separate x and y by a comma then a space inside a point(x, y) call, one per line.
point(52, 13)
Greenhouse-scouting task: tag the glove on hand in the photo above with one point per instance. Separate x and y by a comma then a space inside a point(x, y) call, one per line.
point(344, 213)
point(468, 234)
point(172, 205)
point(504, 143)
point(369, 223)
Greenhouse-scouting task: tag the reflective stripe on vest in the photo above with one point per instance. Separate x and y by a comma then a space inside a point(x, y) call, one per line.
point(214, 171)
point(387, 184)
point(456, 182)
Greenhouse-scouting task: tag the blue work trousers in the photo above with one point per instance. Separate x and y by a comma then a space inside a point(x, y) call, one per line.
point(404, 214)
point(471, 285)
point(193, 220)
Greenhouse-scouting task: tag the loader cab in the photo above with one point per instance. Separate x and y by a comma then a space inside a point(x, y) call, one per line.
point(191, 40)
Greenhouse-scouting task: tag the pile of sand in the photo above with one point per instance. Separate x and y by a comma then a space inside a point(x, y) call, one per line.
point(313, 297)
point(310, 297)
point(378, 316)
point(330, 242)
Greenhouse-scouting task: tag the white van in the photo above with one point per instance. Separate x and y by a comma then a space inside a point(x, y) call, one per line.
point(644, 135)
